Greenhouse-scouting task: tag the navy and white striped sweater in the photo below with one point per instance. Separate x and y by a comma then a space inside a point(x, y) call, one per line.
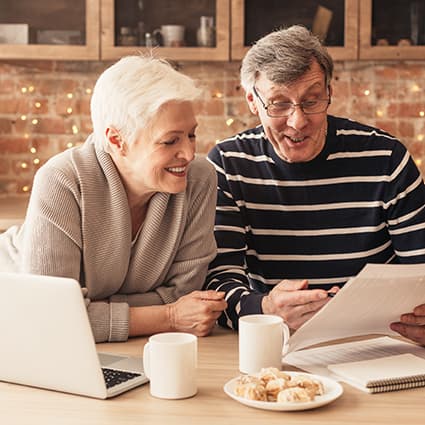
point(361, 200)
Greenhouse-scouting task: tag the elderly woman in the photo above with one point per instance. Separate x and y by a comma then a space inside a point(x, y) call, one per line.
point(130, 213)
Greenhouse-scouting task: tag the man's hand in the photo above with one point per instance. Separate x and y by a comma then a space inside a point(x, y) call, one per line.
point(291, 300)
point(196, 312)
point(412, 325)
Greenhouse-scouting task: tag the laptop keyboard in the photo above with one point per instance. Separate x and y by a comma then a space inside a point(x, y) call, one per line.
point(114, 377)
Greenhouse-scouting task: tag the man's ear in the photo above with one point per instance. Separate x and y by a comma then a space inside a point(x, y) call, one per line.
point(249, 96)
point(116, 143)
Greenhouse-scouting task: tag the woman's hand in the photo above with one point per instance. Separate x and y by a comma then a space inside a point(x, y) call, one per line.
point(196, 312)
point(412, 325)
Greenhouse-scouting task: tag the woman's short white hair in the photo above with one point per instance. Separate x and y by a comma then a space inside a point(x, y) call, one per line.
point(128, 94)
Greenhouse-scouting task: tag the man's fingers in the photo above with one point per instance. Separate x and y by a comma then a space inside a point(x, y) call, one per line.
point(292, 285)
point(412, 319)
point(415, 333)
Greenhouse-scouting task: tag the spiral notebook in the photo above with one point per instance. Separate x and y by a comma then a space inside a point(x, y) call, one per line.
point(383, 374)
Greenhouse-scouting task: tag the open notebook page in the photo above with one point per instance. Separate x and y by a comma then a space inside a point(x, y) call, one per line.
point(316, 360)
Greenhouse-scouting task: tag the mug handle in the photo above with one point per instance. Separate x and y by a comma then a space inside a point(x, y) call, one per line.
point(146, 360)
point(158, 37)
point(286, 336)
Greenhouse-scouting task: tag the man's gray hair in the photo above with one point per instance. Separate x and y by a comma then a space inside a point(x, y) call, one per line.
point(283, 56)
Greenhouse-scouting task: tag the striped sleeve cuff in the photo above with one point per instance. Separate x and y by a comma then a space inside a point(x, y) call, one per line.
point(251, 304)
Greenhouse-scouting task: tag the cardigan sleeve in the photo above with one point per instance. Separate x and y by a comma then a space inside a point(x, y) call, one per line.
point(50, 239)
point(51, 244)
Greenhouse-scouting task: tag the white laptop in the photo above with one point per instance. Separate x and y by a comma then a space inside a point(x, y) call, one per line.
point(47, 341)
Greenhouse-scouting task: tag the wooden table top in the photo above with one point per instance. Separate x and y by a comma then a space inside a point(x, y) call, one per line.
point(218, 363)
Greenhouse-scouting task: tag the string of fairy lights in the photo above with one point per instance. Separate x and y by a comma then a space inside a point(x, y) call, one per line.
point(32, 120)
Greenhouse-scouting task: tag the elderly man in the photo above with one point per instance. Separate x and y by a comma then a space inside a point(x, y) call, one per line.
point(306, 199)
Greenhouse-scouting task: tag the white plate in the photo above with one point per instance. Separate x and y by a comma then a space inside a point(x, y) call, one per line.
point(332, 391)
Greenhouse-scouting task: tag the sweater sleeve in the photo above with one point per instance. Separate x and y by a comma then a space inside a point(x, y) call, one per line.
point(228, 271)
point(404, 207)
point(51, 244)
point(50, 239)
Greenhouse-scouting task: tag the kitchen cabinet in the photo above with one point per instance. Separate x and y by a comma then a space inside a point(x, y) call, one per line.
point(139, 18)
point(44, 29)
point(110, 29)
point(334, 21)
point(392, 31)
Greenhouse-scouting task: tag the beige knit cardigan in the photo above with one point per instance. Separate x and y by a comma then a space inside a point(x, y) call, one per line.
point(78, 225)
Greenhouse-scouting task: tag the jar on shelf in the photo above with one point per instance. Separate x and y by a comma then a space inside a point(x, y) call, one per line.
point(127, 37)
point(205, 36)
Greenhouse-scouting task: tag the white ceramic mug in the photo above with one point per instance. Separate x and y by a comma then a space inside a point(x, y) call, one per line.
point(169, 361)
point(172, 35)
point(263, 338)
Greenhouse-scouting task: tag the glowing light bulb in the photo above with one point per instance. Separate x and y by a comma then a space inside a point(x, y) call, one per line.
point(24, 165)
point(23, 117)
point(415, 88)
point(418, 162)
point(218, 95)
point(422, 113)
point(24, 89)
point(33, 150)
point(37, 104)
point(69, 110)
point(420, 137)
point(88, 91)
point(31, 89)
point(367, 92)
point(25, 188)
point(69, 145)
point(379, 113)
point(75, 129)
point(34, 121)
point(36, 161)
point(69, 95)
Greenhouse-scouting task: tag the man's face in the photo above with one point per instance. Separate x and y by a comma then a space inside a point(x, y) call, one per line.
point(298, 137)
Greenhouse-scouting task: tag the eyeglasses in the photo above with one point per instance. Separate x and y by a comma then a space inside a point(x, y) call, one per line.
point(285, 109)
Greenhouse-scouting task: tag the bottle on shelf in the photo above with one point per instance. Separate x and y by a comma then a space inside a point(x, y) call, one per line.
point(148, 40)
point(141, 27)
point(205, 36)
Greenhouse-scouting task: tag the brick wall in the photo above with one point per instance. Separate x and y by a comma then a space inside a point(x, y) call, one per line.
point(44, 107)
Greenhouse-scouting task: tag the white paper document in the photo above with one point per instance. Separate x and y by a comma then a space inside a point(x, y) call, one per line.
point(367, 304)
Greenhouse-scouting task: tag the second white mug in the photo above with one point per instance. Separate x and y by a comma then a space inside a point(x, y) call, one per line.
point(262, 341)
point(172, 35)
point(169, 361)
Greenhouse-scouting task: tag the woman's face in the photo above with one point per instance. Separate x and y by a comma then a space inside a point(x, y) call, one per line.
point(158, 159)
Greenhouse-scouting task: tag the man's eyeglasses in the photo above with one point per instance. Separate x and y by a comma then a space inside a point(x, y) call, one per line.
point(285, 109)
